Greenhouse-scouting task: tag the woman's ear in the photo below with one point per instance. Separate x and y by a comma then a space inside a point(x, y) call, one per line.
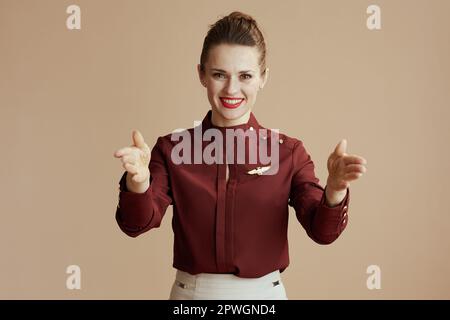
point(201, 75)
point(266, 76)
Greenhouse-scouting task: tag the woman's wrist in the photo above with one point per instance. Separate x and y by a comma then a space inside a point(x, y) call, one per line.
point(333, 197)
point(136, 187)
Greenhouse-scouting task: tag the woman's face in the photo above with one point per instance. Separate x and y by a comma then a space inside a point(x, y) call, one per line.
point(233, 78)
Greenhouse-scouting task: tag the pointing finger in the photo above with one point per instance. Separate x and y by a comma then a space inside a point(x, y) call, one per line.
point(128, 159)
point(122, 151)
point(355, 168)
point(354, 159)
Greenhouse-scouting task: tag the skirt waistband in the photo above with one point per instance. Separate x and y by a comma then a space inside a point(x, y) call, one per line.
point(220, 280)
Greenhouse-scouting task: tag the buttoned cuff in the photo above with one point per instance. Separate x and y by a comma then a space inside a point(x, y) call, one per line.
point(331, 221)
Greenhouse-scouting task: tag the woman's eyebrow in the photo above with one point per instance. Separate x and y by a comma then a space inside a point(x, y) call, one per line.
point(220, 70)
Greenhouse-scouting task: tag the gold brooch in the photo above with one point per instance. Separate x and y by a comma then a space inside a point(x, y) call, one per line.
point(259, 170)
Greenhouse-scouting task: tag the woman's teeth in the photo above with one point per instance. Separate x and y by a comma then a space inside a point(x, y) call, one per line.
point(232, 101)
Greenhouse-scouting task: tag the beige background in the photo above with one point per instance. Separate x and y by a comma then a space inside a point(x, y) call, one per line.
point(69, 99)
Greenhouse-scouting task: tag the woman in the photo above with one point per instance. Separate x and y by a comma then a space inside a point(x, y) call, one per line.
point(229, 216)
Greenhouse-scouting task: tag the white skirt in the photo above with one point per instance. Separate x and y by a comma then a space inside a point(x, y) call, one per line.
point(212, 286)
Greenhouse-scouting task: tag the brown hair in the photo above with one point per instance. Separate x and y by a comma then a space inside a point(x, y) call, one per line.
point(236, 28)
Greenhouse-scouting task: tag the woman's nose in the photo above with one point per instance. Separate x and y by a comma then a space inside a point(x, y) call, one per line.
point(232, 86)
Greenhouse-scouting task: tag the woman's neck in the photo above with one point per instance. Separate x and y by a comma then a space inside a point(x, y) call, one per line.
point(219, 121)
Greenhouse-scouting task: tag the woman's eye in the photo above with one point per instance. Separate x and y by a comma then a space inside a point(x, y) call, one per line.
point(221, 76)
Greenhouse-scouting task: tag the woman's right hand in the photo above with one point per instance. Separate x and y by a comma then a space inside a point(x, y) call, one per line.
point(135, 160)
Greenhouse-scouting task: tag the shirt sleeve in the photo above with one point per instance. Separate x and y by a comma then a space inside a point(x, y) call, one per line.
point(322, 223)
point(137, 213)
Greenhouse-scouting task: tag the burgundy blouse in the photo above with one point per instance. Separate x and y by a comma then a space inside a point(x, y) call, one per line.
point(239, 226)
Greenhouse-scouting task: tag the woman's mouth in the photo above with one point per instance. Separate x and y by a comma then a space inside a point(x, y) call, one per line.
point(231, 103)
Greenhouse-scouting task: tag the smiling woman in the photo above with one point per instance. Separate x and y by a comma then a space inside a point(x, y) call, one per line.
point(233, 68)
point(230, 217)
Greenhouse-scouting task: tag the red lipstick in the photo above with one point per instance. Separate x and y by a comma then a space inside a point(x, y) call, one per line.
point(231, 103)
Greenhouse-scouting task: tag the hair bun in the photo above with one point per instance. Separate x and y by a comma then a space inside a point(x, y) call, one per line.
point(236, 28)
point(241, 16)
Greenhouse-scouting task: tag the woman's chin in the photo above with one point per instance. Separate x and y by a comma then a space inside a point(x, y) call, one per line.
point(232, 114)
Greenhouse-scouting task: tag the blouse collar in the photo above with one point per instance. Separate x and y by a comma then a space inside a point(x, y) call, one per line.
point(251, 124)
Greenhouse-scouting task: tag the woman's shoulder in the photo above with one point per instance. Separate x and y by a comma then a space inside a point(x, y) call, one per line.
point(285, 140)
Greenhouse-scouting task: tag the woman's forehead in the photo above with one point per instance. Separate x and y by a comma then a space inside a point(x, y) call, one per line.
point(233, 58)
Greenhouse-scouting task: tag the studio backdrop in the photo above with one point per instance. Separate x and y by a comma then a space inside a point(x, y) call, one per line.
point(76, 77)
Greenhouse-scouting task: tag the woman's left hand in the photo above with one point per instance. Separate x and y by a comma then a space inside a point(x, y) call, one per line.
point(343, 168)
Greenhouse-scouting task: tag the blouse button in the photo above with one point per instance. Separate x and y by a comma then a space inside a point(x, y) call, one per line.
point(344, 220)
point(281, 141)
point(251, 129)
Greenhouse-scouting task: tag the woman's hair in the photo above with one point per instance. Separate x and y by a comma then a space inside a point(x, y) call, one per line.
point(236, 28)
